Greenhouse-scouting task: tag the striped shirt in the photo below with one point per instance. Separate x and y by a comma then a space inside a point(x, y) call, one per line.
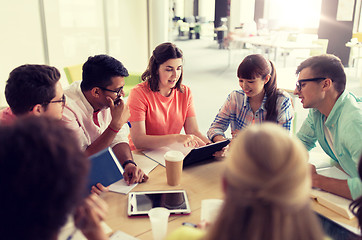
point(237, 112)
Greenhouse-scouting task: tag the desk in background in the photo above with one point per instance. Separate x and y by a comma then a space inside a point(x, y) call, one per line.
point(269, 44)
point(356, 47)
point(200, 182)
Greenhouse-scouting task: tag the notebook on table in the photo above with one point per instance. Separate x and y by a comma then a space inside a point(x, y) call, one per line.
point(105, 168)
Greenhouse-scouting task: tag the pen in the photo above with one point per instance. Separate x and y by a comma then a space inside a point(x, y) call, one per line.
point(72, 234)
point(189, 224)
point(129, 124)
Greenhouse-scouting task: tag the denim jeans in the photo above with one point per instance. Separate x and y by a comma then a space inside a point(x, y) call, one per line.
point(336, 231)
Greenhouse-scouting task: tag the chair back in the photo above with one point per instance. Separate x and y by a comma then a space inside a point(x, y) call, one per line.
point(132, 80)
point(357, 35)
point(73, 73)
point(323, 43)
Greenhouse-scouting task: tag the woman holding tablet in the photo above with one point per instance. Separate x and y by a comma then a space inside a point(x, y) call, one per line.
point(258, 100)
point(267, 193)
point(161, 105)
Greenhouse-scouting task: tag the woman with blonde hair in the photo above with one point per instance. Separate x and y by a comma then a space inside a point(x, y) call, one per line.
point(266, 185)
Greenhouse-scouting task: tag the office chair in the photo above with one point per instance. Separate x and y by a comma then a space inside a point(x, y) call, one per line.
point(132, 80)
point(73, 73)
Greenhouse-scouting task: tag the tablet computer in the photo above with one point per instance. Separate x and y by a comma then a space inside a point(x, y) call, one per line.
point(200, 154)
point(139, 203)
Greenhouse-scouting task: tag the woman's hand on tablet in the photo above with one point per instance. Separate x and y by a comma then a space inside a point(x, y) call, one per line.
point(190, 140)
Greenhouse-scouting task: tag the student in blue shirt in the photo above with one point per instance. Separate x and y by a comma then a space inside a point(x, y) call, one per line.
point(334, 120)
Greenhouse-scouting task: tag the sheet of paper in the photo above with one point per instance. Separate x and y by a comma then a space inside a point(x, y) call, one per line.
point(157, 154)
point(319, 159)
point(146, 164)
point(119, 235)
point(333, 172)
point(121, 187)
point(210, 209)
point(69, 229)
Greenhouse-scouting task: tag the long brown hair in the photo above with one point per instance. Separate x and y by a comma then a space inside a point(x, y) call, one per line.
point(267, 192)
point(254, 66)
point(161, 54)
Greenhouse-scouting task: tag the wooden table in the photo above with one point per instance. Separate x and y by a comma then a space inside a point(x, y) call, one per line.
point(200, 182)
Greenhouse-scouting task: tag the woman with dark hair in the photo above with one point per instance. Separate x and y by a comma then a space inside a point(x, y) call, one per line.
point(161, 105)
point(258, 100)
point(45, 173)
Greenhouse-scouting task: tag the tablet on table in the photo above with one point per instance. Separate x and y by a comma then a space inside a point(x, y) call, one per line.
point(139, 203)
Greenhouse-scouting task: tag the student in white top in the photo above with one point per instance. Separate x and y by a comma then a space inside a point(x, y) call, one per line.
point(98, 115)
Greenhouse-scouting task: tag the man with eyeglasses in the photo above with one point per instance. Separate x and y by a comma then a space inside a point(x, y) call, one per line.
point(33, 90)
point(96, 112)
point(334, 120)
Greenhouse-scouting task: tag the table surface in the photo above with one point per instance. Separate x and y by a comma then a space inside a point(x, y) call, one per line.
point(200, 182)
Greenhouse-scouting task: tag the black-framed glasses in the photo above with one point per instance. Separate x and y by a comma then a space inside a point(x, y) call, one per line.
point(299, 86)
point(62, 100)
point(118, 92)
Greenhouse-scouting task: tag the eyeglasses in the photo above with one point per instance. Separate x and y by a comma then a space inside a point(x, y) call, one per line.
point(62, 100)
point(299, 87)
point(118, 92)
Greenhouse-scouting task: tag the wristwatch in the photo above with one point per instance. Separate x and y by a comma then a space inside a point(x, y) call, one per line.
point(128, 161)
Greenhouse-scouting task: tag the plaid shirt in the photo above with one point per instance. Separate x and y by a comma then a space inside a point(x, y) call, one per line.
point(237, 112)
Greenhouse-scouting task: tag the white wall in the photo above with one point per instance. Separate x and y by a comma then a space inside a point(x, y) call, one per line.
point(159, 20)
point(74, 31)
point(241, 11)
point(128, 37)
point(21, 38)
point(293, 13)
point(179, 8)
point(189, 8)
point(207, 9)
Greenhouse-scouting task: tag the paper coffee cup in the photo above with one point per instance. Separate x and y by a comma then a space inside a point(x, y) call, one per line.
point(174, 161)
